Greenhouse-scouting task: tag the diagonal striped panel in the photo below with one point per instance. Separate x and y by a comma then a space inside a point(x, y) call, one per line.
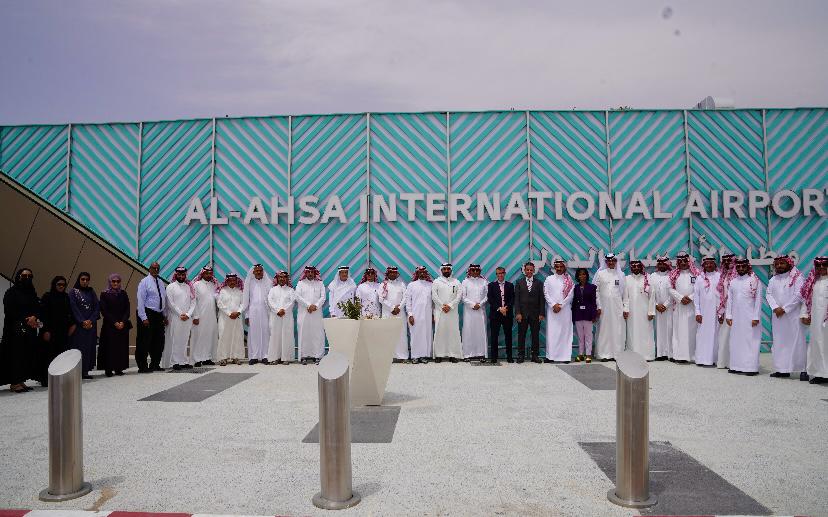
point(408, 154)
point(328, 158)
point(251, 160)
point(647, 154)
point(35, 156)
point(797, 141)
point(726, 152)
point(103, 190)
point(175, 167)
point(488, 154)
point(568, 155)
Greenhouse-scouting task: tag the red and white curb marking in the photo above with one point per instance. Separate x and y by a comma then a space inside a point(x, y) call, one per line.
point(83, 513)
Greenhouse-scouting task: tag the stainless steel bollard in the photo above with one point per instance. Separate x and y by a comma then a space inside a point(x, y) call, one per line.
point(335, 435)
point(65, 430)
point(632, 440)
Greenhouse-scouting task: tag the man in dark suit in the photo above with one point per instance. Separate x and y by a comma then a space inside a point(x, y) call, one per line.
point(501, 299)
point(530, 308)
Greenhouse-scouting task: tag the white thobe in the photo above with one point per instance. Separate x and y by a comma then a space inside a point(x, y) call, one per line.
point(369, 299)
point(818, 345)
point(447, 291)
point(684, 317)
point(640, 305)
point(177, 336)
point(475, 292)
point(309, 326)
point(559, 327)
point(282, 342)
point(788, 350)
point(744, 306)
point(724, 334)
point(204, 336)
point(230, 331)
point(706, 303)
point(339, 291)
point(254, 307)
point(418, 304)
point(610, 301)
point(660, 287)
point(391, 296)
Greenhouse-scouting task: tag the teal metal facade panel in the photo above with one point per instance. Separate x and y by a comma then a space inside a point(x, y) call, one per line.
point(36, 157)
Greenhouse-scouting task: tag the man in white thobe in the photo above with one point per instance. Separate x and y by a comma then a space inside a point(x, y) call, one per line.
point(367, 292)
point(180, 307)
point(446, 293)
point(256, 314)
point(814, 316)
point(612, 333)
point(280, 300)
point(639, 311)
point(558, 289)
point(727, 272)
point(783, 296)
point(204, 335)
point(706, 302)
point(474, 292)
point(310, 297)
point(230, 327)
point(418, 306)
point(391, 296)
point(682, 285)
point(342, 288)
point(660, 282)
point(744, 308)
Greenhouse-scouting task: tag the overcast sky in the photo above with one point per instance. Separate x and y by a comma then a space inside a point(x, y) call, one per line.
point(103, 60)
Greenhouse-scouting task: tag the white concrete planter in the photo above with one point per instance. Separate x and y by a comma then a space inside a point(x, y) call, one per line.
point(369, 346)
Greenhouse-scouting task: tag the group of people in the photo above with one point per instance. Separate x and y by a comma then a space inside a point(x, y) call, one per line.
point(710, 316)
point(36, 330)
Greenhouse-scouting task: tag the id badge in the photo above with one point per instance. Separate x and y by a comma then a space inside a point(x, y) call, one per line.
point(583, 307)
point(692, 280)
point(616, 282)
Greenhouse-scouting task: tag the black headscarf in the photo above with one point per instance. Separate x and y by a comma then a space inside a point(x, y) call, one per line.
point(20, 301)
point(56, 312)
point(23, 284)
point(77, 282)
point(53, 286)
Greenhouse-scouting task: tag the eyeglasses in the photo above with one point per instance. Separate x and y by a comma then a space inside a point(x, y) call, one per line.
point(26, 275)
point(115, 281)
point(60, 284)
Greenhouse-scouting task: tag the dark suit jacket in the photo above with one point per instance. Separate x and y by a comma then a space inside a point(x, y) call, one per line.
point(493, 297)
point(586, 298)
point(530, 305)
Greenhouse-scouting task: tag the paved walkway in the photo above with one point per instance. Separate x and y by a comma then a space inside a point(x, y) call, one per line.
point(467, 440)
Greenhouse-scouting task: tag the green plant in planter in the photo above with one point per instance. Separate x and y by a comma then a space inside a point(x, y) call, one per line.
point(351, 308)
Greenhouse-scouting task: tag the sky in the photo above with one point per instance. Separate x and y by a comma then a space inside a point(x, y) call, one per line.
point(113, 60)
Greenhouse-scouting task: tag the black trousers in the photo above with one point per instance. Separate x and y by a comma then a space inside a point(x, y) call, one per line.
point(533, 323)
point(495, 324)
point(150, 340)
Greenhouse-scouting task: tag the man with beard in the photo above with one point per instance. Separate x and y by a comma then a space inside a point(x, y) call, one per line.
point(501, 296)
point(151, 321)
point(204, 336)
point(639, 311)
point(368, 295)
point(660, 285)
point(706, 301)
point(784, 298)
point(558, 291)
point(281, 300)
point(682, 285)
point(230, 327)
point(310, 297)
point(21, 310)
point(814, 315)
point(341, 289)
point(744, 307)
point(180, 308)
point(529, 311)
point(727, 272)
point(392, 298)
point(446, 293)
point(418, 306)
point(474, 289)
point(256, 314)
point(612, 333)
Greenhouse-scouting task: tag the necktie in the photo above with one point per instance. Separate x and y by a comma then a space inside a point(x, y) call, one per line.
point(160, 298)
point(502, 296)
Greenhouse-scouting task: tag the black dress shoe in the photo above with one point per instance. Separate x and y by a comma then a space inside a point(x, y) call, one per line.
point(510, 360)
point(520, 360)
point(197, 364)
point(156, 368)
point(187, 366)
point(816, 380)
point(108, 373)
point(438, 360)
point(536, 360)
point(265, 361)
point(751, 374)
point(661, 358)
point(144, 370)
point(87, 376)
point(453, 359)
point(208, 363)
point(119, 373)
point(303, 361)
point(177, 367)
point(803, 376)
point(493, 361)
point(780, 375)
